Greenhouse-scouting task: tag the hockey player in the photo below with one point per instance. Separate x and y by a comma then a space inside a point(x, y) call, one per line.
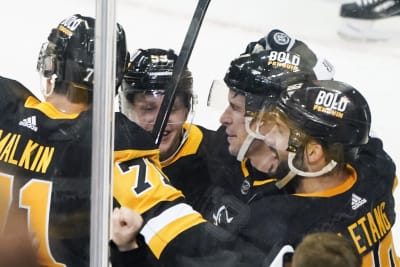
point(249, 81)
point(46, 146)
point(342, 179)
point(46, 153)
point(184, 146)
point(241, 165)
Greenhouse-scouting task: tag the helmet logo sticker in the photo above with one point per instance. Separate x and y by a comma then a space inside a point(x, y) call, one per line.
point(331, 103)
point(284, 59)
point(159, 59)
point(281, 38)
point(70, 24)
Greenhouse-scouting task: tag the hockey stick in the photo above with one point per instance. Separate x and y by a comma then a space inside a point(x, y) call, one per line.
point(181, 63)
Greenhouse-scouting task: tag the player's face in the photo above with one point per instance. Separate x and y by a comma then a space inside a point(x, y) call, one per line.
point(276, 138)
point(233, 119)
point(270, 154)
point(144, 111)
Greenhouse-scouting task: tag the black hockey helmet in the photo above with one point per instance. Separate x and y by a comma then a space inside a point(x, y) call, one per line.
point(69, 53)
point(262, 76)
point(150, 71)
point(268, 65)
point(329, 111)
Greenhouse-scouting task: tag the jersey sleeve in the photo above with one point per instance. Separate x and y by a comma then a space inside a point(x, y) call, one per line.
point(201, 245)
point(140, 256)
point(140, 184)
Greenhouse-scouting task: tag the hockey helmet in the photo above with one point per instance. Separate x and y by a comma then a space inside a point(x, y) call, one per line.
point(329, 111)
point(150, 72)
point(69, 53)
point(268, 65)
point(261, 77)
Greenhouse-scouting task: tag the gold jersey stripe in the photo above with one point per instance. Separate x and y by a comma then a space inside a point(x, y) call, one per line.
point(345, 186)
point(190, 146)
point(169, 215)
point(159, 231)
point(263, 182)
point(48, 109)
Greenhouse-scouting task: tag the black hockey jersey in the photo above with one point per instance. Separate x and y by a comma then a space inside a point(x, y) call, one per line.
point(188, 169)
point(45, 165)
point(45, 161)
point(362, 208)
point(240, 179)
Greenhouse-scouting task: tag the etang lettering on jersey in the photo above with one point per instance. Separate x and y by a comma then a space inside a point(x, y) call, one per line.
point(331, 103)
point(371, 227)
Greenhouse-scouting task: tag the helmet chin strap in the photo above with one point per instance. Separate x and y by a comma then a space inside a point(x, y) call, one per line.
point(294, 171)
point(249, 138)
point(44, 86)
point(329, 167)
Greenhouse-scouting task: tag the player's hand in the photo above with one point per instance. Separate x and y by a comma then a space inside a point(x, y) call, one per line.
point(125, 226)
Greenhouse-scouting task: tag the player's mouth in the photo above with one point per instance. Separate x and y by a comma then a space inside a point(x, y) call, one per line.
point(229, 136)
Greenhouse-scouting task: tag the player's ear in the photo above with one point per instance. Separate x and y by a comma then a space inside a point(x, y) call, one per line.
point(314, 152)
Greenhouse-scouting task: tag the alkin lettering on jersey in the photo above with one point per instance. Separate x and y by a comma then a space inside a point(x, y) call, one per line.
point(34, 157)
